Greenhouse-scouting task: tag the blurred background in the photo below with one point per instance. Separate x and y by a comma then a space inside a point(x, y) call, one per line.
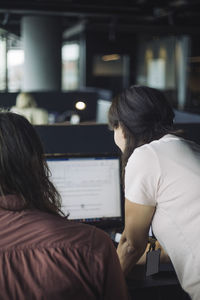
point(64, 52)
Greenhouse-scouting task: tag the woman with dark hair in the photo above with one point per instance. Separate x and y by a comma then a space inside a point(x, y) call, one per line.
point(44, 255)
point(161, 175)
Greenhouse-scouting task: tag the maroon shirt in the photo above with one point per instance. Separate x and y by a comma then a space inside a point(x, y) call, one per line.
point(43, 256)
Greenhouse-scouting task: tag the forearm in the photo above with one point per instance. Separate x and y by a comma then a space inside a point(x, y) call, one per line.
point(134, 239)
point(128, 254)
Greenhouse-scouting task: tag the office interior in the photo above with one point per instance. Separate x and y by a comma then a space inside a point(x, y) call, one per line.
point(74, 57)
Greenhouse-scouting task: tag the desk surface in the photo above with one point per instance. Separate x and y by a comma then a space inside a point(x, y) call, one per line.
point(161, 286)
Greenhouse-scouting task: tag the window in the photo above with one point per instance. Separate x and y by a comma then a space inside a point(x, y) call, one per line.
point(157, 66)
point(15, 58)
point(2, 63)
point(11, 62)
point(70, 66)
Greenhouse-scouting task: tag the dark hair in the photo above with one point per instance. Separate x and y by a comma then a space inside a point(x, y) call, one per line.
point(23, 169)
point(144, 115)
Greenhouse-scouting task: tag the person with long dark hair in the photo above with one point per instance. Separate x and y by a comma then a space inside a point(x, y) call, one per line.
point(43, 254)
point(161, 176)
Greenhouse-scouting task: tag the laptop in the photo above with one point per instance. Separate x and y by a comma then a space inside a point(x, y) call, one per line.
point(89, 186)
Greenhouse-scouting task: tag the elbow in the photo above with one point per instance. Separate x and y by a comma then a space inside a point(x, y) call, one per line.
point(137, 249)
point(129, 252)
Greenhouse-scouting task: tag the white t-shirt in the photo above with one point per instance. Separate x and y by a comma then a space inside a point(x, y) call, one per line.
point(166, 174)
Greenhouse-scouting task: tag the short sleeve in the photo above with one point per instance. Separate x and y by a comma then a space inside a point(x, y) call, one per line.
point(142, 176)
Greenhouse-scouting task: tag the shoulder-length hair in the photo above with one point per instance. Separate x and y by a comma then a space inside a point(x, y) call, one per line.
point(23, 169)
point(143, 114)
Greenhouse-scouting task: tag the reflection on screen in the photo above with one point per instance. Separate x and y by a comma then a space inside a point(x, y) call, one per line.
point(89, 187)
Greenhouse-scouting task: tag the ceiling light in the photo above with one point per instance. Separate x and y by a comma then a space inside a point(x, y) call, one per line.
point(111, 57)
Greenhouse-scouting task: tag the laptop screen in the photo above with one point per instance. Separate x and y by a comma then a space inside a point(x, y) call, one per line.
point(89, 187)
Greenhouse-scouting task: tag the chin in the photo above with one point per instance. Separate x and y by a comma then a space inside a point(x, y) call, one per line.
point(122, 149)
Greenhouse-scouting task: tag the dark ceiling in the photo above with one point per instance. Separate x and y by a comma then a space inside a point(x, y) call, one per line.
point(120, 13)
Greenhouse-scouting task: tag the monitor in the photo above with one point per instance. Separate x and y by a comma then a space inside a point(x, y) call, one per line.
point(89, 186)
